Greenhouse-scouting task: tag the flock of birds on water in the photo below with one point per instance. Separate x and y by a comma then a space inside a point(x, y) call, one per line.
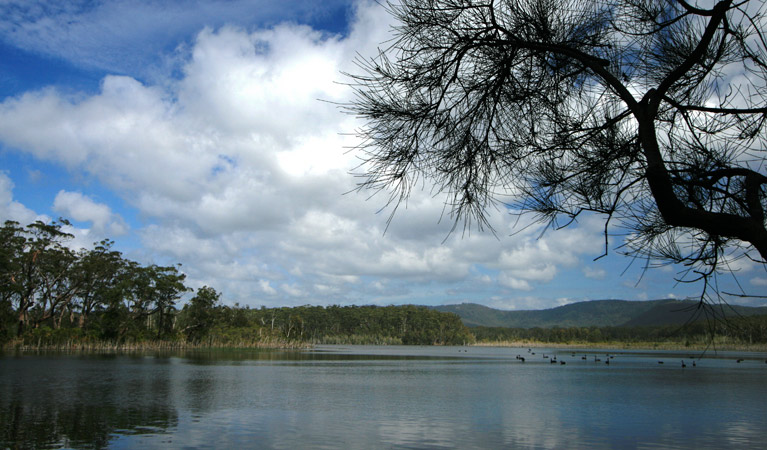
point(597, 359)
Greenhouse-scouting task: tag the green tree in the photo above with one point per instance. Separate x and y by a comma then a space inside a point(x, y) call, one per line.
point(99, 271)
point(148, 299)
point(649, 113)
point(36, 267)
point(58, 285)
point(167, 287)
point(200, 313)
point(11, 246)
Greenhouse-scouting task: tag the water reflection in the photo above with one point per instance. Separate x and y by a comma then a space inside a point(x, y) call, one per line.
point(79, 401)
point(376, 397)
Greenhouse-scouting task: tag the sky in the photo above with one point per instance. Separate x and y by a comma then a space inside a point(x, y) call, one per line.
point(207, 134)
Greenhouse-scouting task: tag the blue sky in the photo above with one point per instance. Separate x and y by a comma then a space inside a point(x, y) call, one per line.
point(193, 132)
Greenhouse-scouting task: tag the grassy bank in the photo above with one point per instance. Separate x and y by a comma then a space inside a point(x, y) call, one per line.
point(162, 345)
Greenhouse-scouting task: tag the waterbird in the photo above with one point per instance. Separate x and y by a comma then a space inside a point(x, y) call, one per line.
point(562, 363)
point(683, 364)
point(740, 360)
point(660, 362)
point(693, 363)
point(607, 361)
point(522, 359)
point(583, 357)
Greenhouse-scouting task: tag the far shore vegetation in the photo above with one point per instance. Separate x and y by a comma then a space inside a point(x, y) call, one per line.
point(52, 297)
point(747, 333)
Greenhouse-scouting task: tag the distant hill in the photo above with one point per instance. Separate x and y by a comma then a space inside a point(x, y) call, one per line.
point(600, 313)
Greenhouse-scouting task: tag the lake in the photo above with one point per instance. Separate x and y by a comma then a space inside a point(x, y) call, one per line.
point(384, 397)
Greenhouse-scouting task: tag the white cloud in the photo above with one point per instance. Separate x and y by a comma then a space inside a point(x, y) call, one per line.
point(515, 283)
point(242, 169)
point(11, 209)
point(532, 259)
point(594, 273)
point(76, 206)
point(239, 170)
point(266, 288)
point(292, 290)
point(107, 35)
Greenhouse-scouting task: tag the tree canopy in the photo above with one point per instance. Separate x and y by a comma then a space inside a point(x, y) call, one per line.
point(650, 113)
point(51, 295)
point(43, 282)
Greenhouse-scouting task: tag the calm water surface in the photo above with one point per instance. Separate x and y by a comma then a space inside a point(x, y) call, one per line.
point(383, 397)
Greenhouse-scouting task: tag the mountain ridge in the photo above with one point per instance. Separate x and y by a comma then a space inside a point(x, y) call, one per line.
point(599, 313)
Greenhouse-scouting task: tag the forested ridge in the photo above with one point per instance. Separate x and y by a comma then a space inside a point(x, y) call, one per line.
point(674, 322)
point(602, 313)
point(740, 331)
point(51, 295)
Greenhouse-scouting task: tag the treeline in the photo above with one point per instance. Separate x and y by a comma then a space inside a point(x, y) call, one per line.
point(406, 324)
point(739, 330)
point(51, 295)
point(44, 284)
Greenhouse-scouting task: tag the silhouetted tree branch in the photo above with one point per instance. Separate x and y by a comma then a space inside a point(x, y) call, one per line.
point(650, 113)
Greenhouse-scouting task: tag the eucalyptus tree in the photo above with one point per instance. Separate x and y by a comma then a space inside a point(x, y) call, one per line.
point(99, 271)
point(149, 296)
point(56, 269)
point(649, 113)
point(36, 268)
point(200, 313)
point(168, 287)
point(11, 245)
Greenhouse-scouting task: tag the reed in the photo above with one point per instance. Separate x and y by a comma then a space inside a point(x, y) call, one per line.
point(155, 345)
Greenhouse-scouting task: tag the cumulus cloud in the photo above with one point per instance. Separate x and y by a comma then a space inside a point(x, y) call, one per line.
point(238, 165)
point(266, 287)
point(11, 209)
point(105, 35)
point(537, 259)
point(594, 273)
point(515, 283)
point(76, 206)
point(243, 171)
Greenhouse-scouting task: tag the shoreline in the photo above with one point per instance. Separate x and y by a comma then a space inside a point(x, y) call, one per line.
point(150, 346)
point(756, 348)
point(177, 346)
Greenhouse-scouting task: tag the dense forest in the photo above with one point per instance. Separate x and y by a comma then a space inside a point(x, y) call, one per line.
point(51, 295)
point(734, 331)
point(603, 313)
